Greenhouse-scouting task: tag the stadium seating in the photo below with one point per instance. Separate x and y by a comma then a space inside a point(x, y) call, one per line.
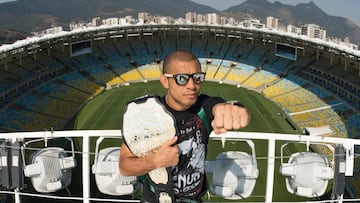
point(353, 124)
point(117, 61)
point(259, 79)
point(132, 76)
point(150, 71)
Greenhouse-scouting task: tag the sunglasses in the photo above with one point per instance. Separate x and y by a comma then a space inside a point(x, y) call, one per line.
point(183, 79)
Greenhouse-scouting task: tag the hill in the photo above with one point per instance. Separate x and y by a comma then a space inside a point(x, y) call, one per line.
point(304, 13)
point(10, 36)
point(36, 15)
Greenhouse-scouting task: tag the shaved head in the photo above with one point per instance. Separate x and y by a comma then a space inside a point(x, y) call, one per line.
point(179, 55)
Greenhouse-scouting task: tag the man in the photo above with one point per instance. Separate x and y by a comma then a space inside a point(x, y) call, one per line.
point(185, 152)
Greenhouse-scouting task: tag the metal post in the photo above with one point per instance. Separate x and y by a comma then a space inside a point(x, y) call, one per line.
point(86, 169)
point(270, 171)
point(339, 173)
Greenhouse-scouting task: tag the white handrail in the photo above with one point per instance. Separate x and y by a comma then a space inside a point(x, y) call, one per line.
point(271, 137)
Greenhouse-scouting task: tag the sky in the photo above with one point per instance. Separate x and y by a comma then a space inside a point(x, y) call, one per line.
point(349, 9)
point(344, 8)
point(3, 1)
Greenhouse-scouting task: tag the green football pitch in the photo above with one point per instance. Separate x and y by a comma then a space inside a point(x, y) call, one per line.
point(104, 112)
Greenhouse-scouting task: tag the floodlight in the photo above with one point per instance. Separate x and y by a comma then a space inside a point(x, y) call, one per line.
point(234, 173)
point(107, 173)
point(50, 169)
point(307, 173)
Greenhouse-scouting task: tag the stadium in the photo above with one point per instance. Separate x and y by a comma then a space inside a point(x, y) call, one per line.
point(49, 82)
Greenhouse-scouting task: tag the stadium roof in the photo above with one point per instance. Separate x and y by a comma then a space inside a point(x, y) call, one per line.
point(229, 30)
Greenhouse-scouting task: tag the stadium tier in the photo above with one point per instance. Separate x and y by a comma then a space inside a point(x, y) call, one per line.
point(44, 83)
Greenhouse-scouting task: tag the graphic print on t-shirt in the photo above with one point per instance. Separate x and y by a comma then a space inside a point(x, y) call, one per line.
point(189, 174)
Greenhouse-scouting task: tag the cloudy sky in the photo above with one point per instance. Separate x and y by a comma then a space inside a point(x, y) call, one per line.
point(344, 8)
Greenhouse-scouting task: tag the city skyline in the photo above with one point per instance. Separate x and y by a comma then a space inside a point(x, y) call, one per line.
point(310, 30)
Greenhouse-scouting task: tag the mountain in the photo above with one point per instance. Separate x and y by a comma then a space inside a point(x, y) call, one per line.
point(37, 15)
point(10, 36)
point(304, 13)
point(27, 16)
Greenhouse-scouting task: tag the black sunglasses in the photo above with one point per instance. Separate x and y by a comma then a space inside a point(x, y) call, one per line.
point(183, 78)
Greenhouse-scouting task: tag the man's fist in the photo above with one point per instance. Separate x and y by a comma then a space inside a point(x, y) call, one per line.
point(228, 116)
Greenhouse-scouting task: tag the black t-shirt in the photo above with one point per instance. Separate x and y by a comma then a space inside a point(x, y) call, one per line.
point(189, 181)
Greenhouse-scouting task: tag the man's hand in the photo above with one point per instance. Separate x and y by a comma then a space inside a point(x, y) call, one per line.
point(167, 154)
point(229, 117)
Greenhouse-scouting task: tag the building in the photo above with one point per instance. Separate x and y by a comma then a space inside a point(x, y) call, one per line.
point(96, 22)
point(223, 20)
point(272, 23)
point(293, 29)
point(200, 19)
point(211, 18)
point(144, 17)
point(313, 31)
point(231, 21)
point(164, 20)
point(111, 21)
point(253, 23)
point(191, 17)
point(52, 30)
point(345, 43)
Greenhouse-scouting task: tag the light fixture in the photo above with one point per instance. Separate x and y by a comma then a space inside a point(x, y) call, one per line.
point(234, 173)
point(107, 173)
point(307, 173)
point(50, 168)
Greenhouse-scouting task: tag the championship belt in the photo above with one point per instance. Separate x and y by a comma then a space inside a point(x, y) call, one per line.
point(147, 125)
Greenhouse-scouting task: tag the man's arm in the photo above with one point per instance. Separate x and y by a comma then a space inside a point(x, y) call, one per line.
point(166, 155)
point(228, 116)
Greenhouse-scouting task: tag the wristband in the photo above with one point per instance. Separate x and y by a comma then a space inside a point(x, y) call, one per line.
point(235, 102)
